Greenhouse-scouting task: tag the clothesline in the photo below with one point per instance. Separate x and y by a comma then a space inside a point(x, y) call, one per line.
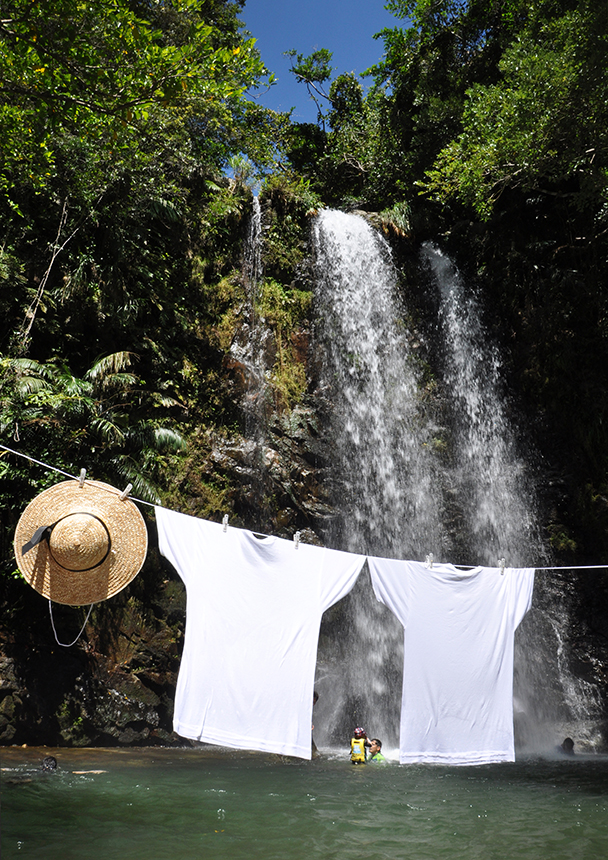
point(67, 474)
point(152, 505)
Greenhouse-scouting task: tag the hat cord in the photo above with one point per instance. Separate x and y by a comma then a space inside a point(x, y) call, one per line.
point(66, 644)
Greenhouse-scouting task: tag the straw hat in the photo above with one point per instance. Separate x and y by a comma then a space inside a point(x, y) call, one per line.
point(80, 544)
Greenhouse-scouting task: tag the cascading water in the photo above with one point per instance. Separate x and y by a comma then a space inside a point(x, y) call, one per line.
point(497, 498)
point(390, 487)
point(386, 479)
point(248, 346)
point(496, 495)
point(382, 443)
point(253, 247)
point(248, 351)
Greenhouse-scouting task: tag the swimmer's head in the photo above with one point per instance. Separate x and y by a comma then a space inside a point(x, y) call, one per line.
point(49, 763)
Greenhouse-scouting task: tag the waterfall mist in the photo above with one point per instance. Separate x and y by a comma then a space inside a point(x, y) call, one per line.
point(396, 493)
point(499, 508)
point(385, 477)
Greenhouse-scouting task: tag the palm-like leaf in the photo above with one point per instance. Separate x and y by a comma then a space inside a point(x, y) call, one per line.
point(107, 431)
point(28, 385)
point(98, 411)
point(131, 474)
point(169, 440)
point(109, 364)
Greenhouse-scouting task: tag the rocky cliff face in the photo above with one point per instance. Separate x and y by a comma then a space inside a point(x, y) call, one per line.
point(116, 685)
point(260, 462)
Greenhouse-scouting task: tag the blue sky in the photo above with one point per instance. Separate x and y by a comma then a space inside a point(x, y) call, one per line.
point(345, 27)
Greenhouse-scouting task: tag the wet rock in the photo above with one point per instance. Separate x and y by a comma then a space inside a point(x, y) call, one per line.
point(7, 707)
point(132, 736)
point(8, 679)
point(285, 518)
point(7, 731)
point(10, 702)
point(308, 536)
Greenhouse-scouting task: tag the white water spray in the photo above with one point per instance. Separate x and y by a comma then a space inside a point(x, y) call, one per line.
point(495, 493)
point(497, 497)
point(385, 475)
point(388, 482)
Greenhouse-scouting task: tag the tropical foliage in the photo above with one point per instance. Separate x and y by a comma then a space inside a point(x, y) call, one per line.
point(130, 144)
point(117, 123)
point(106, 413)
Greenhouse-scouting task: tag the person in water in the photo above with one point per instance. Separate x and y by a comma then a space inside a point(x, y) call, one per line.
point(48, 765)
point(566, 747)
point(358, 746)
point(375, 750)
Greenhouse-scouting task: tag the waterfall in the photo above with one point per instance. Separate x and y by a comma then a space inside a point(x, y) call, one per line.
point(248, 347)
point(496, 494)
point(499, 510)
point(385, 477)
point(253, 248)
point(397, 493)
point(248, 352)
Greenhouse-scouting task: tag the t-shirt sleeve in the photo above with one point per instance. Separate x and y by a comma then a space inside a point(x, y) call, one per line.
point(522, 590)
point(162, 526)
point(339, 574)
point(180, 539)
point(390, 581)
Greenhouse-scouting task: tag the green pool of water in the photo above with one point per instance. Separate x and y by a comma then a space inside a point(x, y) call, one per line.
point(205, 804)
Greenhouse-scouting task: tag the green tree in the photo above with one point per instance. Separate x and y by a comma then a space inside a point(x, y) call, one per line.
point(119, 119)
point(106, 75)
point(314, 71)
point(348, 158)
point(543, 128)
point(445, 47)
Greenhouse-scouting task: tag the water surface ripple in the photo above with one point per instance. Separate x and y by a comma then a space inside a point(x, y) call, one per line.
point(167, 804)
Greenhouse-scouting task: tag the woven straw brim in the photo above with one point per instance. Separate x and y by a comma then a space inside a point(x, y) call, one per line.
point(100, 504)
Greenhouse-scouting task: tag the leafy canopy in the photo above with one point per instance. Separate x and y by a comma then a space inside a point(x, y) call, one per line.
point(101, 72)
point(543, 125)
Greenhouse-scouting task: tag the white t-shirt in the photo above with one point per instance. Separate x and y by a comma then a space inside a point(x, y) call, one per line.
point(457, 703)
point(254, 609)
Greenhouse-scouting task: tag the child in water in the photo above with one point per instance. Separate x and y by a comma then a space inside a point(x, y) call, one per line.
point(358, 746)
point(375, 749)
